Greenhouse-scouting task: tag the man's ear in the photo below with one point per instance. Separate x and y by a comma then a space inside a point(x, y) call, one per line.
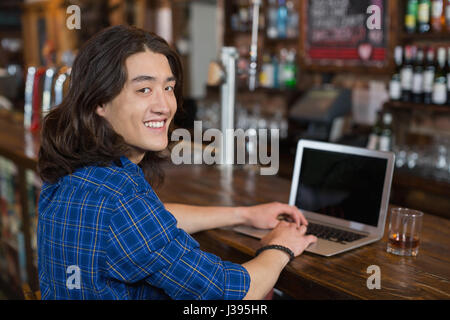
point(101, 110)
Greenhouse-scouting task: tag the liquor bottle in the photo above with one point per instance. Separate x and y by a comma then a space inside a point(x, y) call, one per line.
point(276, 72)
point(448, 76)
point(395, 88)
point(406, 74)
point(244, 17)
point(290, 68)
point(411, 16)
point(272, 31)
point(440, 80)
point(428, 77)
point(447, 15)
point(437, 15)
point(282, 75)
point(423, 16)
point(234, 20)
point(386, 136)
point(417, 86)
point(374, 137)
point(266, 76)
point(292, 20)
point(282, 19)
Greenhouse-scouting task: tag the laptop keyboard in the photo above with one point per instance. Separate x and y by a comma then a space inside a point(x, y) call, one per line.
point(332, 234)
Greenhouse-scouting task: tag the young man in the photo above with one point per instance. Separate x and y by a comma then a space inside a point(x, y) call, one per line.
point(103, 233)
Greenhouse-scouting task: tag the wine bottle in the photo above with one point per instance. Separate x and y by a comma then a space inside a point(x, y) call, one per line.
point(282, 16)
point(272, 31)
point(374, 137)
point(448, 76)
point(276, 72)
point(417, 86)
point(293, 20)
point(428, 77)
point(243, 17)
point(423, 16)
point(407, 74)
point(281, 68)
point(395, 87)
point(447, 15)
point(411, 16)
point(440, 79)
point(386, 136)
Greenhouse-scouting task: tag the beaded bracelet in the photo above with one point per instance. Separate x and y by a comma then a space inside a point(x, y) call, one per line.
point(278, 247)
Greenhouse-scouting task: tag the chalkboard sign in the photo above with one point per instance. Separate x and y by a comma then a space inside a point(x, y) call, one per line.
point(346, 34)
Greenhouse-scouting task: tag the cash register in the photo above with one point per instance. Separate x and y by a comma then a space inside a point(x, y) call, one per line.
point(320, 113)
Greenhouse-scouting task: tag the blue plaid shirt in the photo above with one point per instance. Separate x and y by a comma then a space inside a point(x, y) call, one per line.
point(103, 233)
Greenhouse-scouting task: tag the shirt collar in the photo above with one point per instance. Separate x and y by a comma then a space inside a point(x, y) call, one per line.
point(129, 166)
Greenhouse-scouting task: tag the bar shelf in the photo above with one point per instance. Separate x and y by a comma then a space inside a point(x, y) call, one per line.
point(410, 106)
point(430, 36)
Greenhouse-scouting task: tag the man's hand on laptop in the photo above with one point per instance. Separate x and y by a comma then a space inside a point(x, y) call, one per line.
point(268, 215)
point(289, 235)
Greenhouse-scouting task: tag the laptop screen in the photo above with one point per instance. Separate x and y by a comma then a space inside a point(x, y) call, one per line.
point(341, 185)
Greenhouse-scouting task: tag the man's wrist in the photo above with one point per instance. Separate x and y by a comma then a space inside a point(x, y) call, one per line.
point(281, 248)
point(282, 258)
point(242, 215)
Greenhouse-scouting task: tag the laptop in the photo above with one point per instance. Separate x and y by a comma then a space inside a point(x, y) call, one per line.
point(342, 191)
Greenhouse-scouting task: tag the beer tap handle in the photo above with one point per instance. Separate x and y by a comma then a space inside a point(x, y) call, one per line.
point(47, 94)
point(254, 46)
point(28, 107)
point(59, 85)
point(37, 99)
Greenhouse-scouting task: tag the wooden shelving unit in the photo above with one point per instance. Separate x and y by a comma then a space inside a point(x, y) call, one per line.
point(413, 188)
point(266, 44)
point(430, 36)
point(444, 35)
point(410, 107)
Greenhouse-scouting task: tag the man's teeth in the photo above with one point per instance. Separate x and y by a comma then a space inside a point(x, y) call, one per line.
point(154, 124)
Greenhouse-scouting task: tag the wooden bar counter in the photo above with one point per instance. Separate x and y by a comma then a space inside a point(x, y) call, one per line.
point(308, 276)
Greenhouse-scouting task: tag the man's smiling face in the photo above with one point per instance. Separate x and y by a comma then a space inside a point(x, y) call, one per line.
point(143, 110)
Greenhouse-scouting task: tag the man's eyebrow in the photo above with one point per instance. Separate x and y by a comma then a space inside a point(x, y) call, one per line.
point(151, 78)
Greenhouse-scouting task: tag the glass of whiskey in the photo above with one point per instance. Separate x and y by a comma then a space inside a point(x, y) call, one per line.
point(404, 231)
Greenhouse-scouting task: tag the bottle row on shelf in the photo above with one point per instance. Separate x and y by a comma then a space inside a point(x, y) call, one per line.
point(421, 75)
point(381, 137)
point(281, 20)
point(424, 16)
point(277, 71)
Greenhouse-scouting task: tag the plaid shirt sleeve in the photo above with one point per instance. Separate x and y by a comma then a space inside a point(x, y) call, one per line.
point(145, 244)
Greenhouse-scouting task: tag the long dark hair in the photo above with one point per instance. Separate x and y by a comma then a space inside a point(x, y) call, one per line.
point(73, 135)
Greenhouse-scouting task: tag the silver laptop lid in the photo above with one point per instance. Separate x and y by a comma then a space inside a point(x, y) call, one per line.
point(342, 185)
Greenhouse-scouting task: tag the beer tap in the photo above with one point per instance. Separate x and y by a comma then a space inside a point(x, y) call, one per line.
point(37, 99)
point(67, 59)
point(254, 46)
point(47, 94)
point(223, 73)
point(28, 107)
point(63, 76)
